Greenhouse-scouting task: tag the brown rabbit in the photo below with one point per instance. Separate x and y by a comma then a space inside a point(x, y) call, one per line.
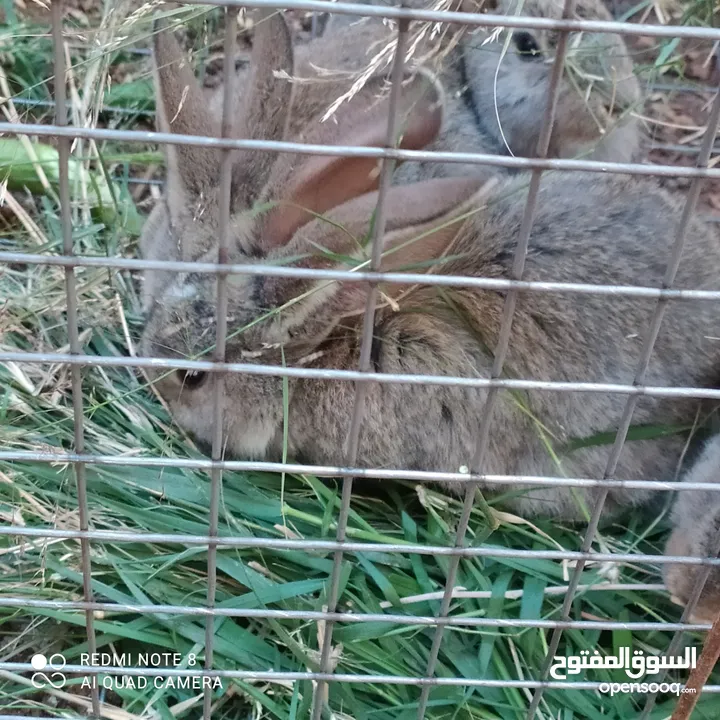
point(588, 228)
point(696, 520)
point(272, 52)
point(483, 113)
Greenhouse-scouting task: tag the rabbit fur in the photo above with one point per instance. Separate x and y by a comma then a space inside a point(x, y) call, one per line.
point(589, 228)
point(696, 532)
point(327, 67)
point(496, 102)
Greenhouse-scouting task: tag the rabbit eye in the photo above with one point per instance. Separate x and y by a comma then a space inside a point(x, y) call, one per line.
point(526, 44)
point(191, 379)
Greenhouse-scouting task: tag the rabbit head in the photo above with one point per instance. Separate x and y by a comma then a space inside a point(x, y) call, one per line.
point(696, 520)
point(279, 206)
point(496, 99)
point(509, 92)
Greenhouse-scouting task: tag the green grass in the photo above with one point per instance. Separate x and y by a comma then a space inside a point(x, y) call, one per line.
point(123, 417)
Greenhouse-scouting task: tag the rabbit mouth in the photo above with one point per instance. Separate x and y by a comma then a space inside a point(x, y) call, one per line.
point(191, 379)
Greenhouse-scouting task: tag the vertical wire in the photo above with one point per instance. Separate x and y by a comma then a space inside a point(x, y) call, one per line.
point(648, 345)
point(516, 273)
point(60, 71)
point(704, 572)
point(231, 14)
point(388, 166)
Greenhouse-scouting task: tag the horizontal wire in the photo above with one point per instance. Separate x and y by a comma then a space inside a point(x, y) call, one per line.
point(280, 676)
point(354, 375)
point(20, 602)
point(421, 476)
point(146, 136)
point(685, 149)
point(351, 546)
point(472, 19)
point(256, 269)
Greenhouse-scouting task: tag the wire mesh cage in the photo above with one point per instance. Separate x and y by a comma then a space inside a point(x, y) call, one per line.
point(212, 585)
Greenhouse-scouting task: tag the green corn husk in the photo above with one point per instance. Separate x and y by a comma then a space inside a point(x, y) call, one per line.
point(110, 202)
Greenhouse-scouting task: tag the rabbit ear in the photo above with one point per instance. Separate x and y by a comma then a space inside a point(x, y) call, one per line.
point(322, 183)
point(182, 109)
point(266, 111)
point(422, 222)
point(266, 108)
point(439, 209)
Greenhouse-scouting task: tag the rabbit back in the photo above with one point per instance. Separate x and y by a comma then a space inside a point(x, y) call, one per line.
point(588, 229)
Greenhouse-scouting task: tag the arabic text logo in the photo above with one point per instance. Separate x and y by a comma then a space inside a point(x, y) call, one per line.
point(54, 678)
point(635, 665)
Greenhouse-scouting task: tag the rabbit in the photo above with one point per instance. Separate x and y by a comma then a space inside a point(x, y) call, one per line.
point(314, 211)
point(496, 103)
point(696, 532)
point(272, 52)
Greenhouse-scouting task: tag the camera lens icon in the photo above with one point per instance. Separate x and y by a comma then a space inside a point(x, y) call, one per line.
point(39, 661)
point(53, 677)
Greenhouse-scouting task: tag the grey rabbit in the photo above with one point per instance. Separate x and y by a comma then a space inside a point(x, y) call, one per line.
point(316, 212)
point(495, 101)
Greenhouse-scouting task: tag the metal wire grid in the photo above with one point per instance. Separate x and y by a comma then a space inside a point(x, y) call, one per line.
point(216, 464)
